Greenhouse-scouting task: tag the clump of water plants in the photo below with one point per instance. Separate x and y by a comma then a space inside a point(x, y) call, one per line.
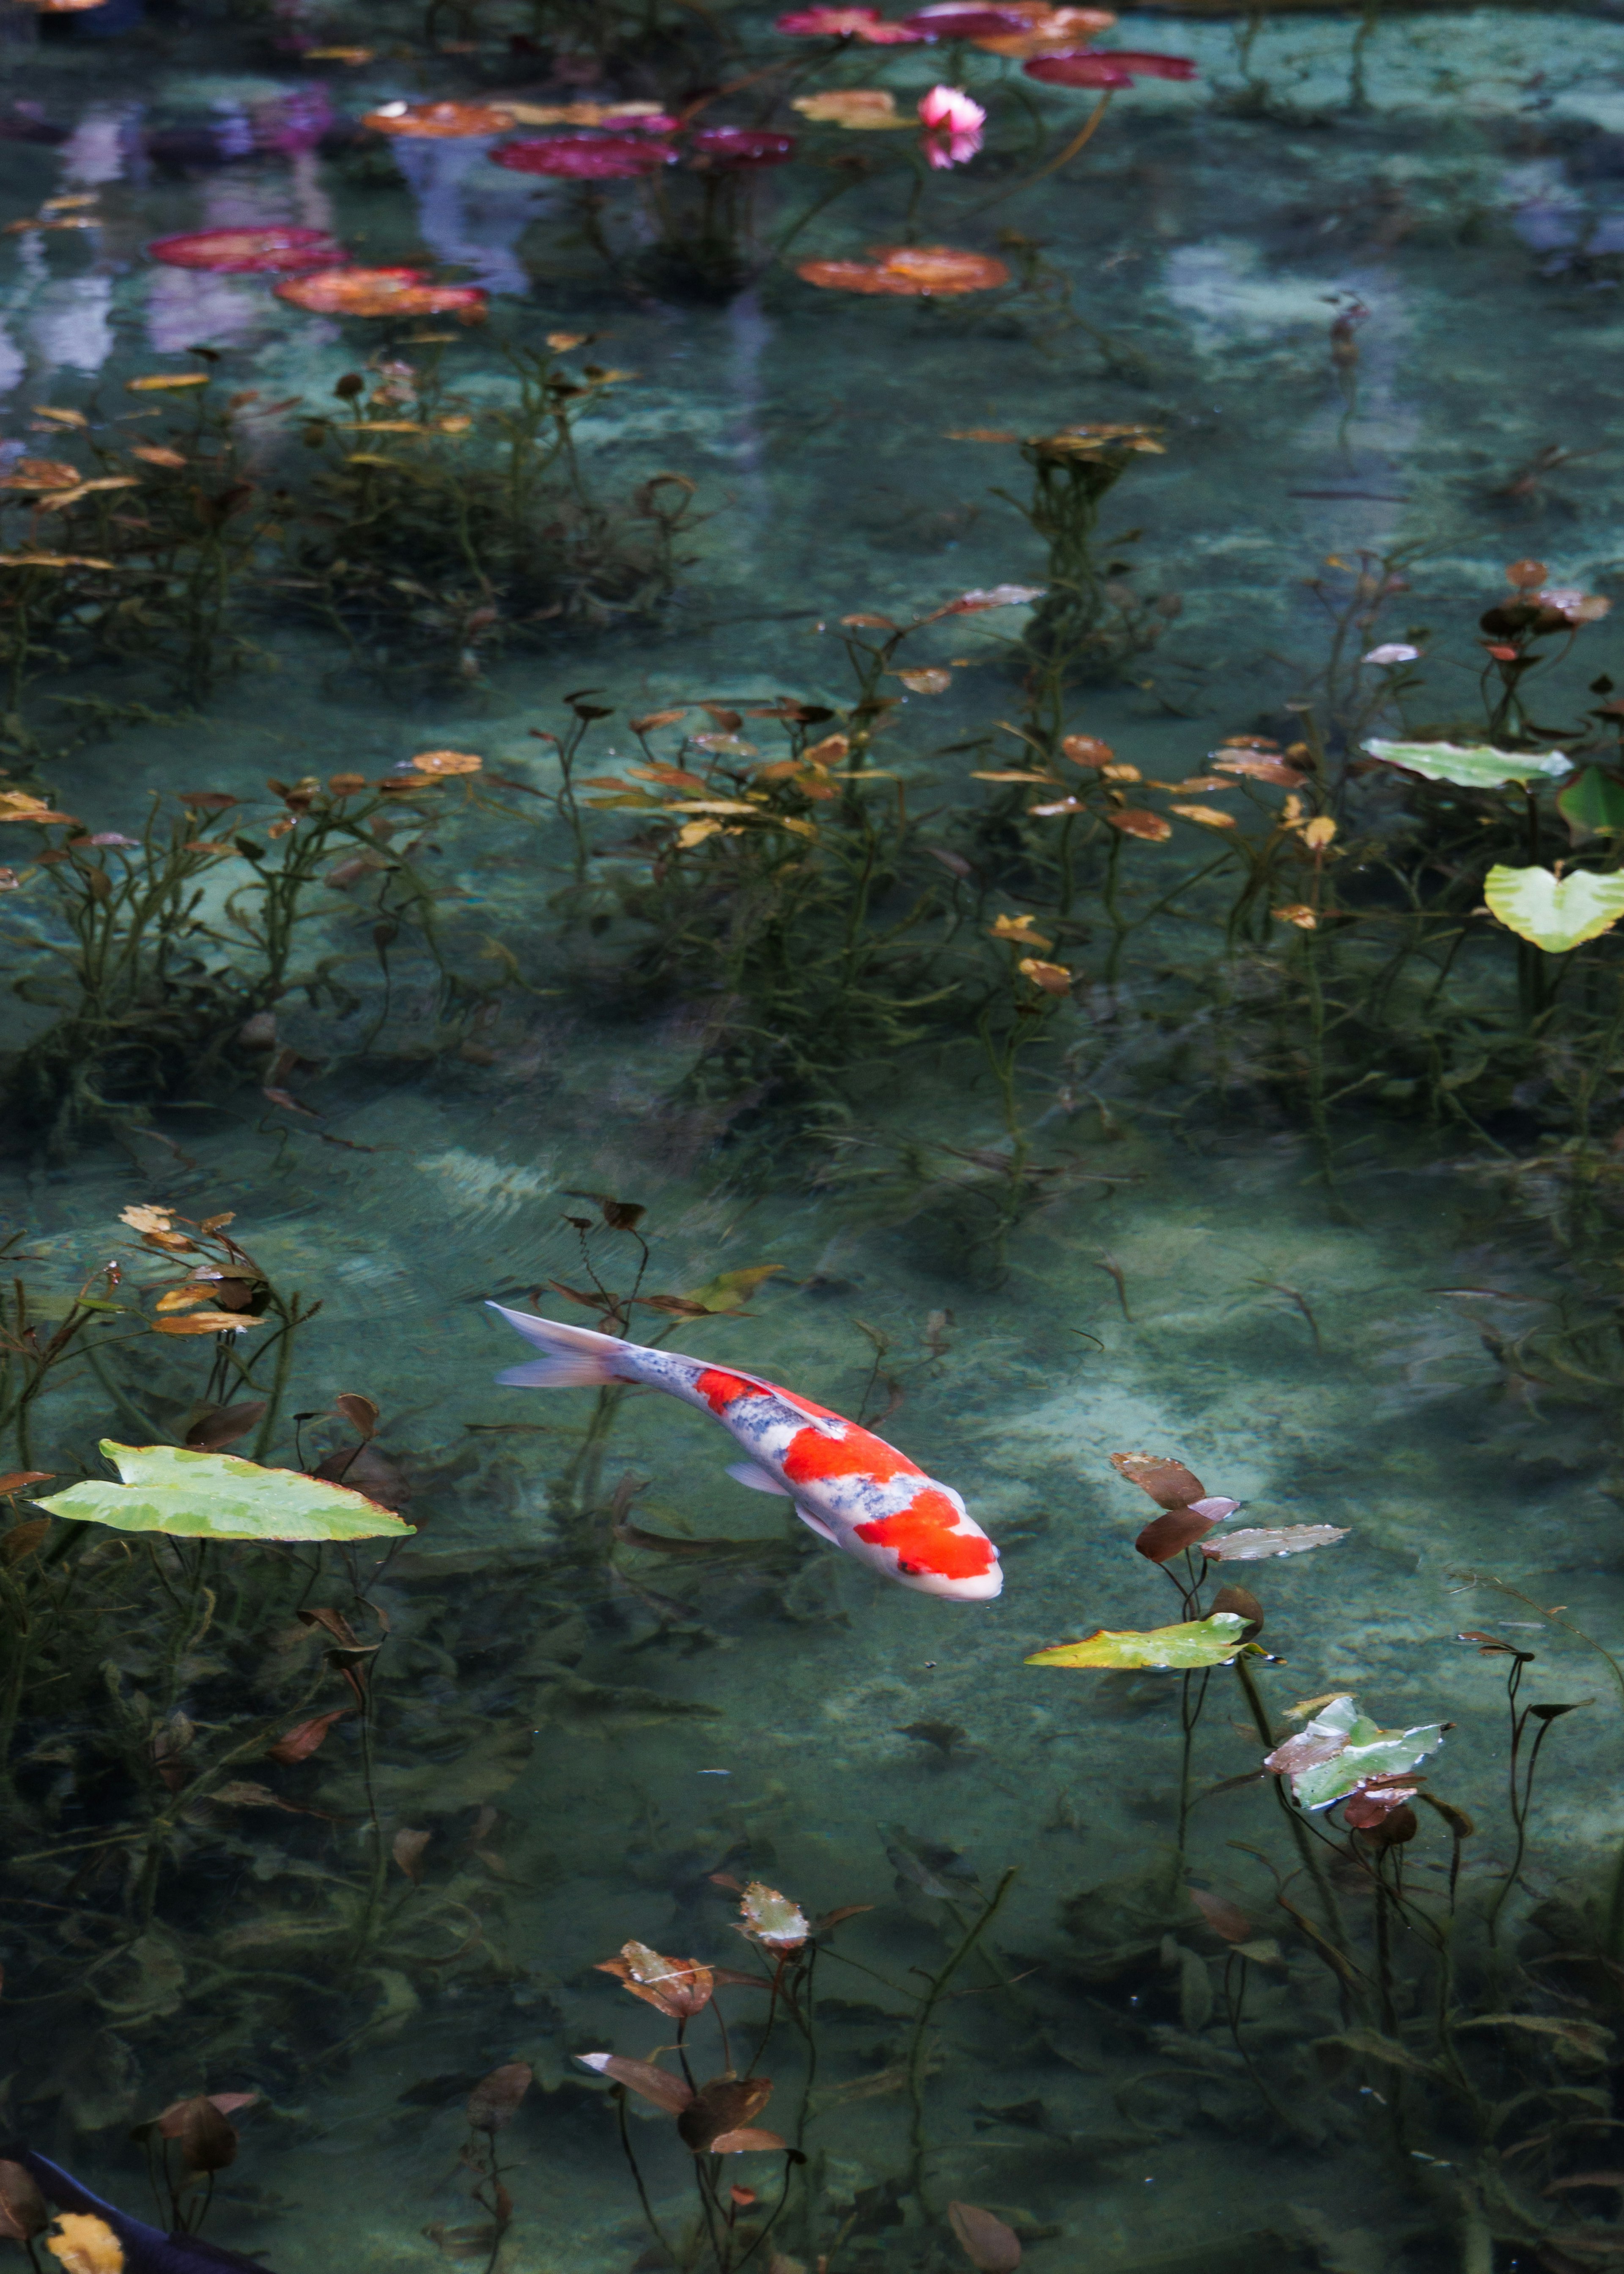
point(428, 526)
point(163, 958)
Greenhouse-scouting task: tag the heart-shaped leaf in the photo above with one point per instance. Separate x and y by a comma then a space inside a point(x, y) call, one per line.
point(218, 1496)
point(1471, 765)
point(1555, 914)
point(1197, 1642)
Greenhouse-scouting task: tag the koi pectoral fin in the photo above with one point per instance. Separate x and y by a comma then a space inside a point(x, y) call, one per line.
point(747, 1472)
point(815, 1523)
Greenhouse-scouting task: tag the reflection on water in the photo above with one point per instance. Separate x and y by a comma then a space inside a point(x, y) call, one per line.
point(603, 1693)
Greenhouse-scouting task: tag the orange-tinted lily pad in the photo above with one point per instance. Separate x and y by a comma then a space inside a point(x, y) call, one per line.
point(382, 292)
point(909, 272)
point(438, 122)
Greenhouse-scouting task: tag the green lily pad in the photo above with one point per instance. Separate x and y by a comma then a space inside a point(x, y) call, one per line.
point(218, 1496)
point(1592, 804)
point(1555, 915)
point(1360, 1750)
point(1472, 766)
point(1197, 1642)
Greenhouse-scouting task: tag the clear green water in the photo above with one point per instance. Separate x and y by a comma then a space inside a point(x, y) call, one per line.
point(1205, 237)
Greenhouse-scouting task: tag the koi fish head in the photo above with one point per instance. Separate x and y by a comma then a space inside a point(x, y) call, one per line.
point(936, 1546)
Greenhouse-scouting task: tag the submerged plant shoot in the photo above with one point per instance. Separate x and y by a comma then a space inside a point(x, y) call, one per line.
point(811, 1137)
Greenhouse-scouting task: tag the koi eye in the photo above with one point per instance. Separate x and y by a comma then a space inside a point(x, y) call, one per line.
point(911, 1570)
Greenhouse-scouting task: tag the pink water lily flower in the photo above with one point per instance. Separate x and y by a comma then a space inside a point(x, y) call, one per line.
point(953, 123)
point(865, 24)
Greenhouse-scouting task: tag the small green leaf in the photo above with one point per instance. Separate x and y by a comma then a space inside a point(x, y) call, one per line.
point(1592, 804)
point(1198, 1642)
point(219, 1496)
point(1471, 765)
point(1554, 915)
point(730, 1290)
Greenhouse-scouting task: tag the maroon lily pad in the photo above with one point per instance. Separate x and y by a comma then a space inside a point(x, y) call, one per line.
point(587, 157)
point(250, 252)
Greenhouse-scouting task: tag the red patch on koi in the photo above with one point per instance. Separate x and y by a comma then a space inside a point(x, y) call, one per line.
point(720, 1389)
point(923, 1537)
point(812, 1455)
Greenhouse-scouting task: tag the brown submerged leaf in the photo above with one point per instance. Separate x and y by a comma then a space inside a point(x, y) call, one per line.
point(24, 2211)
point(407, 1848)
point(223, 1425)
point(23, 1538)
point(985, 2240)
point(206, 2138)
point(1224, 1917)
point(494, 2101)
point(725, 2105)
point(749, 2137)
point(359, 1411)
point(1135, 821)
point(301, 1743)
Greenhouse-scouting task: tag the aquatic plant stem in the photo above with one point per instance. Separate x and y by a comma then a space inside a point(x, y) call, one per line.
point(654, 2226)
point(1300, 1833)
point(918, 2042)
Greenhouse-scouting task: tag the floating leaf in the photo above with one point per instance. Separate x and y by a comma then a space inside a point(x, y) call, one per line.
point(1212, 1641)
point(859, 110)
point(1168, 1482)
point(642, 2077)
point(218, 1496)
point(165, 382)
point(1342, 1748)
point(1252, 1546)
point(494, 2101)
point(1471, 765)
point(678, 1987)
point(985, 2240)
point(931, 680)
point(770, 1918)
point(1556, 916)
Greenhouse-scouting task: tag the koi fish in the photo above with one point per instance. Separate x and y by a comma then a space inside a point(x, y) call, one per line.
point(852, 1489)
point(146, 2249)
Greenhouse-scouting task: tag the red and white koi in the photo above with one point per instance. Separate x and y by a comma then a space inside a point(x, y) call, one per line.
point(849, 1486)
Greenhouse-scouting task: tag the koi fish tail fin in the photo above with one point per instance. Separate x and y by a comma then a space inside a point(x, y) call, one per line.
point(573, 1358)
